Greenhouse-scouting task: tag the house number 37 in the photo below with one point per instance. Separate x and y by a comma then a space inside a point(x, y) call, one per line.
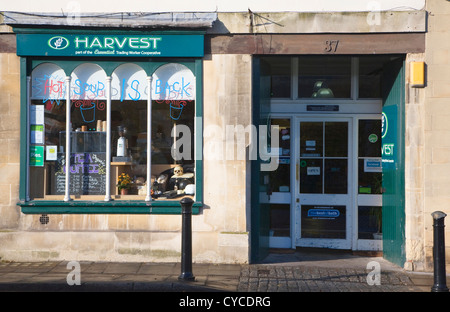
point(331, 46)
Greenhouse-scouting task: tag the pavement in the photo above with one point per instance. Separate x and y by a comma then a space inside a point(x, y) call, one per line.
point(297, 271)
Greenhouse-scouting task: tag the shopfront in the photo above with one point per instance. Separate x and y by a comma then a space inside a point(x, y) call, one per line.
point(128, 142)
point(161, 100)
point(331, 112)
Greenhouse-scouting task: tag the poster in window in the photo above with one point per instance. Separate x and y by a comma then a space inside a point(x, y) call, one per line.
point(323, 221)
point(87, 174)
point(36, 156)
point(37, 134)
point(51, 152)
point(37, 114)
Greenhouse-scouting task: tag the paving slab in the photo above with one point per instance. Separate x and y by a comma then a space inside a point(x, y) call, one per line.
point(298, 271)
point(159, 268)
point(122, 268)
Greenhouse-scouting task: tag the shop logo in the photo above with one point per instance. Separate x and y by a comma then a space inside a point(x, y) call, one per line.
point(384, 125)
point(373, 138)
point(58, 43)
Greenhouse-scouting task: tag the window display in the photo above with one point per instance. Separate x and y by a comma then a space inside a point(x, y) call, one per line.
point(324, 77)
point(108, 136)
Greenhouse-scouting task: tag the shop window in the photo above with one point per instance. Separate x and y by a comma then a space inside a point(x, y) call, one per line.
point(279, 70)
point(370, 72)
point(323, 173)
point(309, 77)
point(279, 179)
point(311, 183)
point(280, 220)
point(118, 151)
point(369, 156)
point(369, 222)
point(324, 77)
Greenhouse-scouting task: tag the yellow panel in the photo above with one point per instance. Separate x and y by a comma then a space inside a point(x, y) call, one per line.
point(417, 74)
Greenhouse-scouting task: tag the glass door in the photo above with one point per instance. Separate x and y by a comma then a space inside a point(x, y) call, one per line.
point(278, 189)
point(369, 198)
point(323, 190)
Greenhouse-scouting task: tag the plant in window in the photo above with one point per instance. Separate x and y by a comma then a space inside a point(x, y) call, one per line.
point(376, 214)
point(124, 182)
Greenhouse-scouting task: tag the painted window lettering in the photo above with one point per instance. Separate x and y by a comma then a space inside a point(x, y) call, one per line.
point(96, 89)
point(180, 88)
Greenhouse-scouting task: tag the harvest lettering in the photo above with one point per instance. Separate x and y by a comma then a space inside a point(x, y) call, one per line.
point(117, 43)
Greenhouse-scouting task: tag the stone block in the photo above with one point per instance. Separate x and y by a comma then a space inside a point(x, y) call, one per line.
point(439, 72)
point(13, 64)
point(233, 239)
point(440, 155)
point(439, 56)
point(437, 40)
point(441, 121)
point(440, 88)
point(437, 7)
point(9, 172)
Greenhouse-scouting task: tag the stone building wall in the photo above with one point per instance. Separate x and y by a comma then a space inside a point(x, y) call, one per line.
point(220, 232)
point(436, 116)
point(9, 139)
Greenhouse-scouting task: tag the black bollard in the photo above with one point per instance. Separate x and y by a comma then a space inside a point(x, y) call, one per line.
point(186, 240)
point(440, 283)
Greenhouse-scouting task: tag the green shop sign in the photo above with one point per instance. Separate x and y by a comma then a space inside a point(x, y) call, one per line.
point(110, 45)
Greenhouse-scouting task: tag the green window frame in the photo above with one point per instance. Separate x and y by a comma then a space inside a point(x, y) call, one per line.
point(43, 206)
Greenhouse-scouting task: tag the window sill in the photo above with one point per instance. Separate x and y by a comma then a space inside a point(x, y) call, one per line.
point(104, 207)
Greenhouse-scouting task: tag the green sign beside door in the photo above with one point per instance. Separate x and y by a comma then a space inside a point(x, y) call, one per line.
point(393, 162)
point(389, 136)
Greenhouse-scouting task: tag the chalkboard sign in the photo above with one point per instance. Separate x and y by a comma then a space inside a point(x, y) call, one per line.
point(87, 174)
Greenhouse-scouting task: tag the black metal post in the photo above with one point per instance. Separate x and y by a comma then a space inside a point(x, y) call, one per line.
point(186, 240)
point(440, 283)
